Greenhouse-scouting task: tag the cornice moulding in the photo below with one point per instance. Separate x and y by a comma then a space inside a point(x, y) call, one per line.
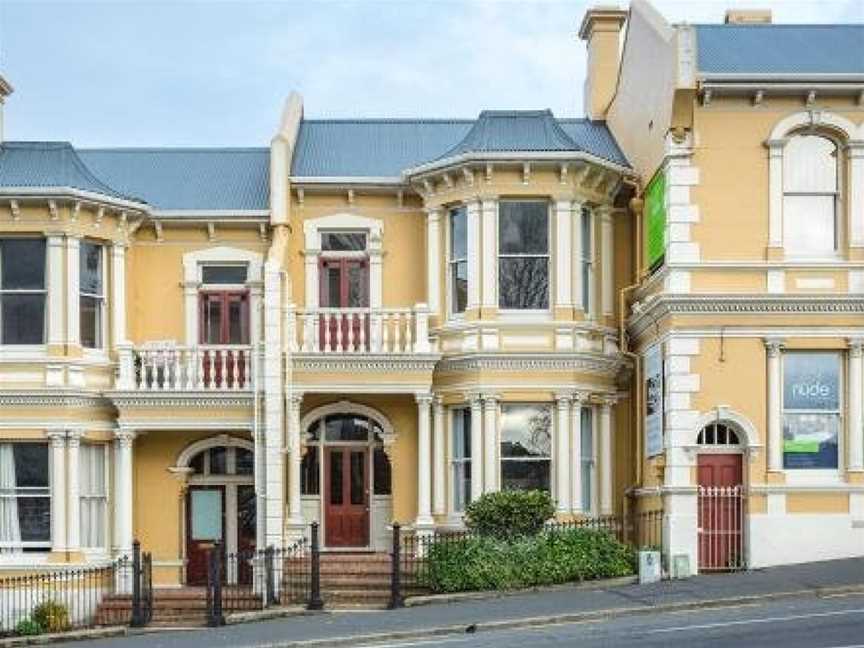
point(587, 362)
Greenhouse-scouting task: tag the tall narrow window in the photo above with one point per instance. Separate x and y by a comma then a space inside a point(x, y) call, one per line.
point(523, 255)
point(93, 495)
point(25, 497)
point(587, 459)
point(92, 295)
point(811, 409)
point(22, 291)
point(461, 458)
point(810, 196)
point(587, 259)
point(526, 447)
point(458, 259)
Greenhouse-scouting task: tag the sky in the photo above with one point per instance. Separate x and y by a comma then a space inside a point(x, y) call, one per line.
point(184, 73)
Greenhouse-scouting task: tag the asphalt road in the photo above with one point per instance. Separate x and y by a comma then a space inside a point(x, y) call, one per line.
point(835, 622)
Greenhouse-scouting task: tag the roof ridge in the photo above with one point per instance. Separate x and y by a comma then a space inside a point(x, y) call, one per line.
point(389, 120)
point(173, 149)
point(776, 25)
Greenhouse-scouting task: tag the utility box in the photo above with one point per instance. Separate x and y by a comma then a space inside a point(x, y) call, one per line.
point(649, 567)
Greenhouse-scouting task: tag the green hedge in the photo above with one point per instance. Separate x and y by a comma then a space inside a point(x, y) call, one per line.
point(509, 513)
point(550, 557)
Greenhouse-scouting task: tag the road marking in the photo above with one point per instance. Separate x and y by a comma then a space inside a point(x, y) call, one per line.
point(707, 626)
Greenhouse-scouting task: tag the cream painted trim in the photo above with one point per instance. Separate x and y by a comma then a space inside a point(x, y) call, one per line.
point(349, 407)
point(724, 414)
point(347, 180)
point(71, 192)
point(188, 453)
point(516, 156)
point(807, 118)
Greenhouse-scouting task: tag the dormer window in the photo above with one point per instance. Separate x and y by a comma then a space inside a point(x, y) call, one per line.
point(523, 255)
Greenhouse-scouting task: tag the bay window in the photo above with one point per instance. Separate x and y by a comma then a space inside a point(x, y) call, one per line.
point(458, 261)
point(22, 291)
point(526, 446)
point(523, 255)
point(93, 495)
point(810, 196)
point(92, 295)
point(461, 458)
point(25, 497)
point(811, 409)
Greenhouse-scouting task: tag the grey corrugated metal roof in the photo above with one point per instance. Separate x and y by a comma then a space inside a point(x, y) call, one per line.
point(202, 179)
point(386, 147)
point(780, 49)
point(371, 147)
point(52, 165)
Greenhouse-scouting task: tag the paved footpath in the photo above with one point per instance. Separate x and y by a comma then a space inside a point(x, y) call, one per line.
point(563, 603)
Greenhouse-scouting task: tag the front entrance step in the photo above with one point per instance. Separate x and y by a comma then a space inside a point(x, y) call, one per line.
point(359, 579)
point(176, 606)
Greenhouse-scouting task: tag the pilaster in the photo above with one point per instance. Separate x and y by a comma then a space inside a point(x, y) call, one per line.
point(118, 293)
point(773, 349)
point(424, 459)
point(490, 443)
point(439, 477)
point(562, 459)
point(433, 260)
point(73, 480)
point(476, 446)
point(73, 283)
point(856, 406)
point(58, 490)
point(563, 259)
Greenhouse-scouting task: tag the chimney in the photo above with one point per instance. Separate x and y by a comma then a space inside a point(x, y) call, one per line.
point(5, 91)
point(748, 17)
point(601, 29)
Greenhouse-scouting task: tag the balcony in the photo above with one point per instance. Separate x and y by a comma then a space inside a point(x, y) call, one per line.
point(165, 366)
point(356, 331)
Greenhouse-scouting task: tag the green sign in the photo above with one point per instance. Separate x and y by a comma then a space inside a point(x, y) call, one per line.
point(655, 221)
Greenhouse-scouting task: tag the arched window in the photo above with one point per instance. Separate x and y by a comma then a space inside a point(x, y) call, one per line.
point(810, 196)
point(717, 434)
point(222, 460)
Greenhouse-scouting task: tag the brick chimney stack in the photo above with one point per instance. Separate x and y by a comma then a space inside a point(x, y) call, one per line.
point(601, 29)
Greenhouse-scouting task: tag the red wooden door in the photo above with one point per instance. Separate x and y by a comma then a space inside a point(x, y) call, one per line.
point(346, 505)
point(224, 320)
point(344, 283)
point(721, 512)
point(205, 524)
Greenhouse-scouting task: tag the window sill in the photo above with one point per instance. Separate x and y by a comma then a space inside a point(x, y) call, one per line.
point(514, 315)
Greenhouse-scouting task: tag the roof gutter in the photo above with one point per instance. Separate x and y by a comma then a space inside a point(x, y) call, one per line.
point(347, 180)
point(73, 193)
point(793, 77)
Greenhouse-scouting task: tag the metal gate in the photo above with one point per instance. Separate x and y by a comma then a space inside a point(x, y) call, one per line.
point(721, 528)
point(142, 586)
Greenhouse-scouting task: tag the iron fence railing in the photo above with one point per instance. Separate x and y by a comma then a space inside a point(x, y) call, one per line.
point(721, 516)
point(63, 599)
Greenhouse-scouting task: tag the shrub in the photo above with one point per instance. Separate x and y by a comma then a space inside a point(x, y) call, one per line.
point(509, 513)
point(27, 627)
point(51, 616)
point(551, 557)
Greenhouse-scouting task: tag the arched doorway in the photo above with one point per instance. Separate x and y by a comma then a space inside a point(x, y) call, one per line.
point(346, 475)
point(220, 502)
point(721, 497)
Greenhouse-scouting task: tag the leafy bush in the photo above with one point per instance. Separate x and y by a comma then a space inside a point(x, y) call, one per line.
point(509, 513)
point(28, 627)
point(51, 616)
point(547, 558)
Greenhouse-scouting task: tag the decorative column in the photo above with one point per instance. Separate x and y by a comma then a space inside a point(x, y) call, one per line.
point(775, 197)
point(73, 491)
point(433, 260)
point(273, 423)
point(856, 193)
point(490, 443)
point(773, 349)
point(476, 446)
point(606, 456)
point(58, 490)
point(73, 283)
point(473, 221)
point(563, 259)
point(424, 461)
point(123, 440)
point(56, 292)
point(118, 293)
point(607, 295)
point(577, 254)
point(489, 209)
point(439, 505)
point(295, 509)
point(562, 453)
point(856, 406)
point(576, 452)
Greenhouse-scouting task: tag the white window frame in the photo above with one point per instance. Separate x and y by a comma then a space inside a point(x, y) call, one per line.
point(455, 461)
point(27, 291)
point(453, 263)
point(90, 497)
point(33, 492)
point(101, 300)
point(516, 313)
point(502, 409)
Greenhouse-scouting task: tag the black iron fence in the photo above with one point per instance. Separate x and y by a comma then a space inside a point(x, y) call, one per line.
point(142, 587)
point(63, 599)
point(258, 579)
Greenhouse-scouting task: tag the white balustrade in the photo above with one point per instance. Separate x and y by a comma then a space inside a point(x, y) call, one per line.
point(364, 330)
point(168, 367)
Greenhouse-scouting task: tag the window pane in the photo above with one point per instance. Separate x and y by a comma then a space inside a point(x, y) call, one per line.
point(90, 322)
point(23, 319)
point(382, 474)
point(809, 225)
point(34, 519)
point(206, 514)
point(587, 459)
point(346, 428)
point(523, 282)
point(212, 319)
point(309, 481)
point(237, 331)
point(335, 477)
point(810, 165)
point(31, 465)
point(523, 228)
point(811, 381)
point(526, 431)
point(218, 461)
point(358, 477)
point(358, 282)
point(462, 433)
point(343, 241)
point(22, 264)
point(244, 461)
point(91, 268)
point(525, 475)
point(233, 274)
point(459, 286)
point(587, 470)
point(810, 440)
point(458, 233)
point(197, 464)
